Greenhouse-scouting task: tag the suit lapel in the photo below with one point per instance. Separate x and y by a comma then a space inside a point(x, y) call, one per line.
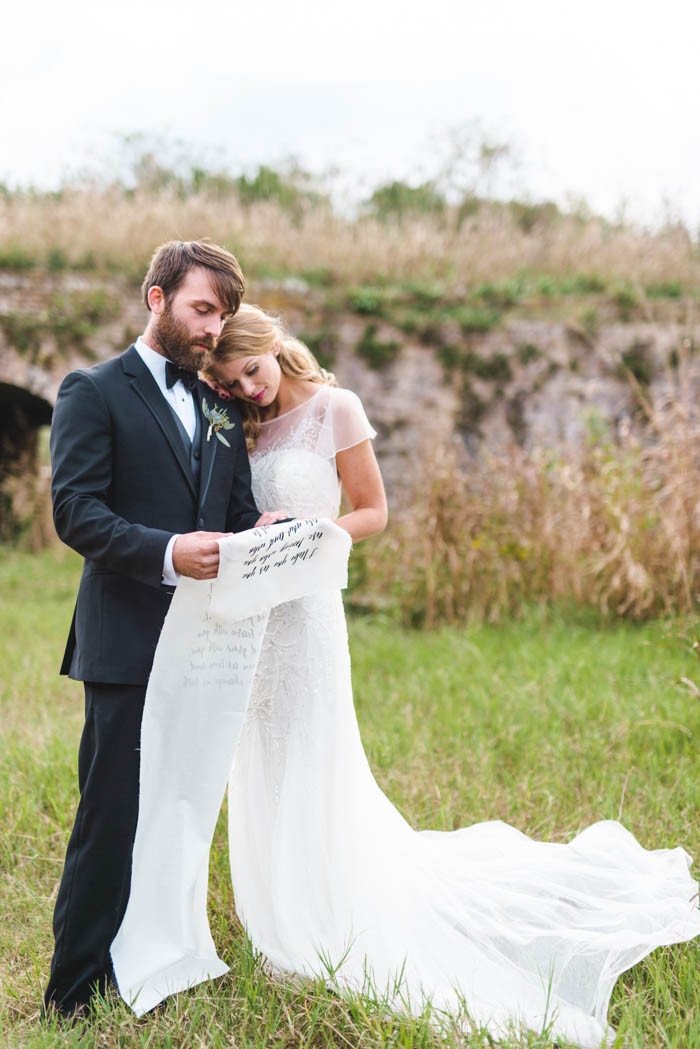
point(146, 388)
point(207, 447)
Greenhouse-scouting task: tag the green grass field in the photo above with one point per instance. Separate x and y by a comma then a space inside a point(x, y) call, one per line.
point(548, 724)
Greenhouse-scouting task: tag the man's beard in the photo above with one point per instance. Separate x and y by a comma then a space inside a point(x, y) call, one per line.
point(177, 344)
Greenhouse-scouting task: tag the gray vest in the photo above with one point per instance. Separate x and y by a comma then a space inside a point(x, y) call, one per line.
point(191, 447)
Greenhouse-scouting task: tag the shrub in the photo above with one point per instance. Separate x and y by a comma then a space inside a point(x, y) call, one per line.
point(323, 344)
point(546, 286)
point(638, 361)
point(471, 411)
point(216, 184)
point(528, 352)
point(319, 276)
point(474, 319)
point(368, 300)
point(450, 355)
point(496, 367)
point(671, 289)
point(529, 216)
point(23, 332)
point(626, 299)
point(429, 331)
point(588, 322)
point(288, 190)
point(266, 184)
point(423, 295)
point(56, 260)
point(582, 284)
point(13, 257)
point(397, 200)
point(499, 296)
point(376, 352)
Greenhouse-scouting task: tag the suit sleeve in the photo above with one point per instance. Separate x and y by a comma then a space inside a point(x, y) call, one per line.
point(81, 459)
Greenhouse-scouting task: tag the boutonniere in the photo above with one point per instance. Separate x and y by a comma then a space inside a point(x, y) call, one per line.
point(218, 420)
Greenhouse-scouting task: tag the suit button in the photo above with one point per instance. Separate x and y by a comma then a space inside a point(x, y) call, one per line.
point(196, 453)
point(200, 523)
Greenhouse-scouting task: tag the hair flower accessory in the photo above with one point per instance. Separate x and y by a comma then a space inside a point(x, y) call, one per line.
point(218, 420)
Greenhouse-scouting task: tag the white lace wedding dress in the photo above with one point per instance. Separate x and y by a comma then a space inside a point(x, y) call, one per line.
point(329, 878)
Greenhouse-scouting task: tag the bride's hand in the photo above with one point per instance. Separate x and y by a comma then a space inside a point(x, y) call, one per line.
point(268, 517)
point(218, 389)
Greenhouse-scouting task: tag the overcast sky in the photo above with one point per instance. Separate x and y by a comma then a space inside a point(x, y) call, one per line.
point(597, 100)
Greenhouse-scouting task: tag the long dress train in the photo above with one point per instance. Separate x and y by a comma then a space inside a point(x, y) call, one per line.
point(330, 880)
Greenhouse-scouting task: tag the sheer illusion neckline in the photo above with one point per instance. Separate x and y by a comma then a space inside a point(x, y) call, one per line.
point(283, 415)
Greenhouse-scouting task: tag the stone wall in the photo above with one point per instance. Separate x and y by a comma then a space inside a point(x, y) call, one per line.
point(536, 381)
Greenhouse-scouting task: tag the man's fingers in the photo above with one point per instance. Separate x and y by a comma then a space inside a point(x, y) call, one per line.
point(196, 554)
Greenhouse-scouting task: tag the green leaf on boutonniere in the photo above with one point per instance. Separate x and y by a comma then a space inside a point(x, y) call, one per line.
point(218, 420)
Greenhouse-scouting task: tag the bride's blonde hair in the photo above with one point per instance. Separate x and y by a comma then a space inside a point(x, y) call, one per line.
point(251, 332)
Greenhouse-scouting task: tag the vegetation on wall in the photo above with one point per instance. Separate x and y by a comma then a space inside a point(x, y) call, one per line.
point(67, 322)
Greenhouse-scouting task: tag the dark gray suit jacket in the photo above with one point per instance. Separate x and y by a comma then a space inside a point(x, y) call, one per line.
point(122, 485)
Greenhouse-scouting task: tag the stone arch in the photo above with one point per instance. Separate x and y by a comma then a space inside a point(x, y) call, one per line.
point(24, 480)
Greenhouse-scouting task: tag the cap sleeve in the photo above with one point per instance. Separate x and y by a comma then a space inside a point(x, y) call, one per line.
point(349, 423)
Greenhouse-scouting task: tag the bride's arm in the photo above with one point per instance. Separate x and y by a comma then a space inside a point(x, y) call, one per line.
point(363, 486)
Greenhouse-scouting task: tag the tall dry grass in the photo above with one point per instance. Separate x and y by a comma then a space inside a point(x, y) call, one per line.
point(108, 227)
point(613, 526)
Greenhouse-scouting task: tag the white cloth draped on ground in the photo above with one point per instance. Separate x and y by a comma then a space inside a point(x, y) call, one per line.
point(195, 706)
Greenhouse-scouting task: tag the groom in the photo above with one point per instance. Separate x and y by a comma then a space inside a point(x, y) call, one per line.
point(142, 487)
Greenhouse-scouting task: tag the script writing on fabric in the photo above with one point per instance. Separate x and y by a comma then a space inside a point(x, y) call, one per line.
point(196, 703)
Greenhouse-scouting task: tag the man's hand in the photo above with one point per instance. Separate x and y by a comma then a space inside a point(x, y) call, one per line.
point(268, 517)
point(196, 554)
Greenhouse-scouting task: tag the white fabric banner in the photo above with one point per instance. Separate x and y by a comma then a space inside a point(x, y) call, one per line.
point(195, 706)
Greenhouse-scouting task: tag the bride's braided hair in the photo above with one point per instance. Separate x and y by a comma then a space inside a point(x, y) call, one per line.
point(251, 332)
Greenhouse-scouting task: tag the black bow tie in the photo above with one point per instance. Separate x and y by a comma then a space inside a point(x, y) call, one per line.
point(173, 372)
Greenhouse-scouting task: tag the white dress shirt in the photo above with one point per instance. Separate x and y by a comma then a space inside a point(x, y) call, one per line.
point(178, 396)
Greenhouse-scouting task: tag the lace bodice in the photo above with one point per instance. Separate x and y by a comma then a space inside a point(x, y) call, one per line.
point(293, 465)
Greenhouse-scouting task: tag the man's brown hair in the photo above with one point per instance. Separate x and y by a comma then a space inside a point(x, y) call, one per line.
point(172, 262)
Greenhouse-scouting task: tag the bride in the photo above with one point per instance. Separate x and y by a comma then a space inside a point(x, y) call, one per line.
point(329, 879)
